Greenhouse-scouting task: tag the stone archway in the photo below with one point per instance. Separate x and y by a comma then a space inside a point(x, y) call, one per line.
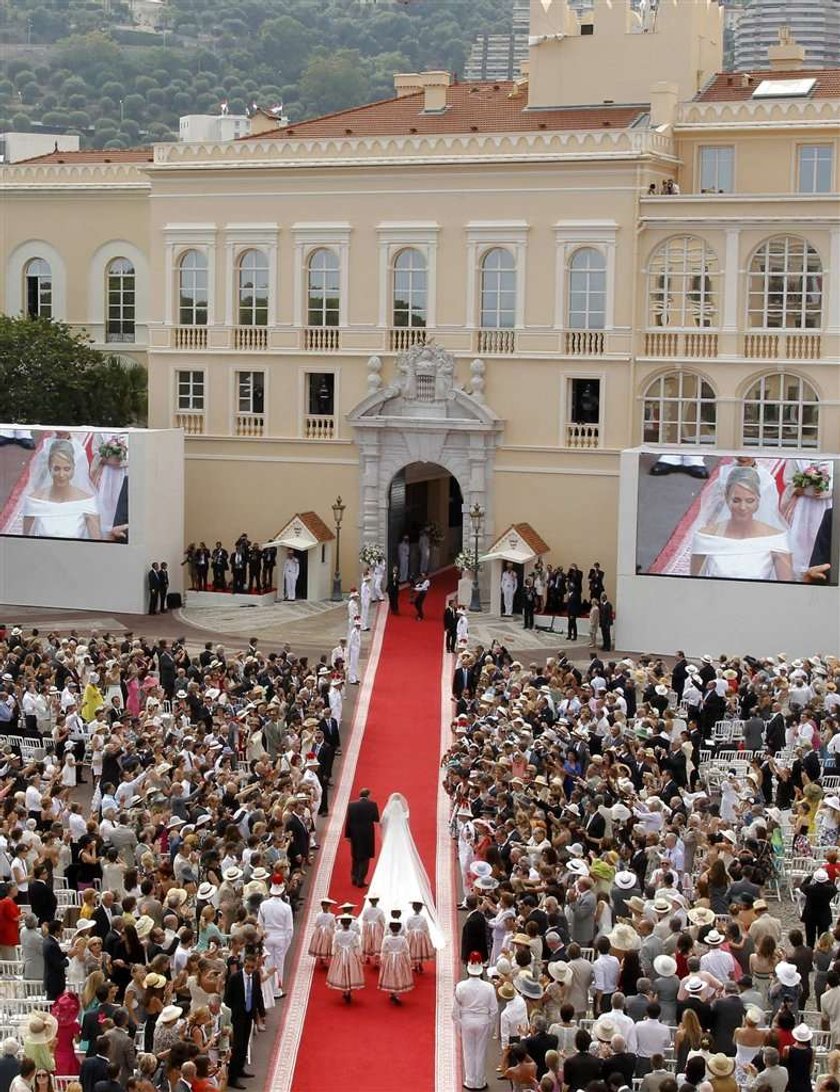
point(423, 418)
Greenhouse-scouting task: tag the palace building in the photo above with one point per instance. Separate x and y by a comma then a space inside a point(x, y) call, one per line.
point(471, 292)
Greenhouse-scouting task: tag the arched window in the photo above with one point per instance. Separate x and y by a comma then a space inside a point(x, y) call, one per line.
point(252, 283)
point(323, 288)
point(409, 288)
point(683, 275)
point(498, 290)
point(679, 408)
point(192, 289)
point(587, 289)
point(781, 410)
point(119, 324)
point(38, 288)
point(785, 285)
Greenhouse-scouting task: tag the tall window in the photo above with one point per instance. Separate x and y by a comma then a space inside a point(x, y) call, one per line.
point(679, 408)
point(250, 392)
point(192, 289)
point(717, 169)
point(410, 288)
point(816, 162)
point(119, 325)
point(323, 289)
point(683, 277)
point(38, 284)
point(785, 285)
point(252, 279)
point(587, 289)
point(320, 393)
point(781, 410)
point(190, 391)
point(498, 290)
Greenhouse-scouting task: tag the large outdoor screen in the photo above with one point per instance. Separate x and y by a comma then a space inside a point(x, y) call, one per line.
point(64, 483)
point(736, 517)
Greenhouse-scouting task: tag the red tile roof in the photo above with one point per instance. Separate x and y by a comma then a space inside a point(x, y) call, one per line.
point(93, 155)
point(471, 108)
point(316, 525)
point(734, 86)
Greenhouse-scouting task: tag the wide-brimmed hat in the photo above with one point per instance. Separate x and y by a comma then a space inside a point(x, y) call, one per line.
point(665, 965)
point(485, 883)
point(176, 896)
point(625, 938)
point(560, 972)
point(169, 1014)
point(802, 1033)
point(701, 915)
point(578, 867)
point(754, 1015)
point(636, 904)
point(528, 986)
point(604, 1029)
point(625, 880)
point(695, 985)
point(620, 813)
point(662, 906)
point(506, 992)
point(41, 1027)
point(713, 938)
point(85, 924)
point(820, 876)
point(206, 891)
point(720, 1065)
point(154, 981)
point(232, 874)
point(787, 974)
point(481, 868)
point(144, 926)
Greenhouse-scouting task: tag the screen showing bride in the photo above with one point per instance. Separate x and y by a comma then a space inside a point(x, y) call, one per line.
point(64, 484)
point(736, 517)
point(399, 878)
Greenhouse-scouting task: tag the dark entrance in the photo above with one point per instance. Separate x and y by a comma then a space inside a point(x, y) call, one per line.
point(425, 495)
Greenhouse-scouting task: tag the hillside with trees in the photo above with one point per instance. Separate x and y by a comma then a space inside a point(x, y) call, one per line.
point(121, 72)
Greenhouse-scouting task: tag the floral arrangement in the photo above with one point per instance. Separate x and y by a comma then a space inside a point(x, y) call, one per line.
point(371, 554)
point(466, 560)
point(435, 534)
point(114, 449)
point(815, 477)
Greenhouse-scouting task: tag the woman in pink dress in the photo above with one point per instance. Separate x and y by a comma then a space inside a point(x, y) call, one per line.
point(373, 929)
point(395, 975)
point(419, 941)
point(66, 1009)
point(346, 972)
point(321, 944)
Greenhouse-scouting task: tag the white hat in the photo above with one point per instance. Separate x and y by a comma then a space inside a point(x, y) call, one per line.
point(620, 813)
point(232, 874)
point(713, 938)
point(279, 889)
point(820, 876)
point(559, 971)
point(787, 974)
point(578, 867)
point(665, 965)
point(604, 1029)
point(695, 985)
point(169, 1014)
point(625, 880)
point(206, 891)
point(802, 1033)
point(625, 938)
point(481, 868)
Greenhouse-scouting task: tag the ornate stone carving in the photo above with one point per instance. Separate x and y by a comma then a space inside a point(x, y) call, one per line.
point(374, 376)
point(426, 373)
point(477, 380)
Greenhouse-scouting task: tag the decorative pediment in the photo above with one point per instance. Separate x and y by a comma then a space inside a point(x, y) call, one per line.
point(520, 543)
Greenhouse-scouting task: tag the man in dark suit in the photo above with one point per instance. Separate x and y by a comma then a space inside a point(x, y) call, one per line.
point(299, 833)
point(239, 566)
point(55, 963)
point(163, 582)
point(153, 581)
point(95, 1067)
point(103, 913)
point(775, 731)
point(41, 898)
point(332, 734)
point(450, 626)
point(679, 674)
point(110, 1083)
point(359, 829)
point(220, 567)
point(539, 1042)
point(243, 996)
point(606, 621)
point(166, 669)
point(92, 1020)
point(474, 932)
point(463, 678)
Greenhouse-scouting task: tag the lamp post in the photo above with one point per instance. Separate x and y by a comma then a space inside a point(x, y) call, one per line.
point(476, 518)
point(338, 514)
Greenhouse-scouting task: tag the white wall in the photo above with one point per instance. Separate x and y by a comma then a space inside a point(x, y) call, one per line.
point(661, 614)
point(109, 576)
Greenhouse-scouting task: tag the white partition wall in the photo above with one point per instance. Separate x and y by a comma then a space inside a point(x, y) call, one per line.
point(661, 614)
point(78, 574)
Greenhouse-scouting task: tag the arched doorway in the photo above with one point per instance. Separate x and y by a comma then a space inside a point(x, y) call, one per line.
point(425, 495)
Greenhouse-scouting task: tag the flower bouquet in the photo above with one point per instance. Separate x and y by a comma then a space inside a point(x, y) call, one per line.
point(466, 561)
point(371, 554)
point(113, 451)
point(813, 481)
point(435, 534)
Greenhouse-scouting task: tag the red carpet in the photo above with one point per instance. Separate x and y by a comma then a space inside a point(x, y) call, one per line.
point(372, 1045)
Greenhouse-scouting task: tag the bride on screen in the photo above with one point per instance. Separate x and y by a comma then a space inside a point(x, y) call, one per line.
point(56, 507)
point(741, 546)
point(400, 878)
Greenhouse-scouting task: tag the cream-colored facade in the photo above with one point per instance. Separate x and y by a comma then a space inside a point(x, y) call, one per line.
point(602, 317)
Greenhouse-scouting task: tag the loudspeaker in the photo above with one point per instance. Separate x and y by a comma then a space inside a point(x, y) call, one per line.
point(173, 601)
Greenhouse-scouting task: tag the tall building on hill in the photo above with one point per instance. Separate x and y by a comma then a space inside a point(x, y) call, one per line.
point(470, 293)
point(814, 23)
point(499, 56)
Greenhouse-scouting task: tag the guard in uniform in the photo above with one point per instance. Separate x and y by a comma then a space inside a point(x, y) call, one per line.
point(474, 1014)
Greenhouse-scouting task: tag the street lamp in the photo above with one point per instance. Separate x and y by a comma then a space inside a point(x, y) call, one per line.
point(338, 514)
point(476, 518)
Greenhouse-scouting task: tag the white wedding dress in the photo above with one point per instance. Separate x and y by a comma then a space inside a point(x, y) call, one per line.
point(399, 877)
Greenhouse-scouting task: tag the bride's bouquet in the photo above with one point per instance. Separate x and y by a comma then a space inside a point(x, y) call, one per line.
point(814, 480)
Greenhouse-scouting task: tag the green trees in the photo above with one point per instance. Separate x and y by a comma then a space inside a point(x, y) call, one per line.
point(51, 376)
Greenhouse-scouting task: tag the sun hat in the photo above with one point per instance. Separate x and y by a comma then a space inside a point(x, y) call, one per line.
point(802, 1033)
point(665, 965)
point(176, 896)
point(636, 904)
point(720, 1065)
point(662, 906)
point(625, 938)
point(604, 1028)
point(486, 883)
point(713, 938)
point(701, 915)
point(154, 981)
point(620, 813)
point(753, 1015)
point(625, 880)
point(578, 867)
point(759, 904)
point(520, 938)
point(560, 972)
point(232, 874)
point(820, 876)
point(481, 868)
point(252, 888)
point(169, 1014)
point(695, 985)
point(506, 992)
point(85, 924)
point(206, 891)
point(144, 926)
point(41, 1027)
point(787, 974)
point(475, 964)
point(260, 874)
point(528, 986)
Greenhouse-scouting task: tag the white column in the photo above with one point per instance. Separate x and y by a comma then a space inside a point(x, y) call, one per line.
point(472, 306)
point(300, 276)
point(832, 323)
point(169, 284)
point(731, 280)
point(384, 279)
point(230, 279)
point(211, 284)
point(273, 294)
point(344, 282)
point(609, 317)
point(560, 261)
point(431, 285)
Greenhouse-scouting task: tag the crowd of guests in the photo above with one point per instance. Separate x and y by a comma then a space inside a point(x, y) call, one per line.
point(626, 899)
point(207, 776)
point(246, 567)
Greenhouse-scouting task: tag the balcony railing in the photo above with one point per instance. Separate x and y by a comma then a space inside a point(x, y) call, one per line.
point(403, 337)
point(496, 341)
point(191, 421)
point(662, 344)
point(319, 426)
point(585, 342)
point(323, 339)
point(803, 346)
point(669, 343)
point(190, 337)
point(700, 344)
point(249, 424)
point(250, 337)
point(798, 346)
point(583, 436)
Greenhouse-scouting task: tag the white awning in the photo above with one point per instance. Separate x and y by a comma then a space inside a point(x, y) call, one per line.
point(520, 544)
point(292, 542)
point(519, 555)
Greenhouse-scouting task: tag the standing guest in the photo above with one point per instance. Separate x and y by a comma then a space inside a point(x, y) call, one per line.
point(395, 975)
point(32, 949)
point(530, 600)
point(243, 996)
point(573, 605)
point(450, 626)
point(594, 623)
point(819, 892)
point(24, 1081)
point(9, 1063)
point(394, 591)
point(201, 560)
point(220, 558)
point(595, 579)
point(474, 1014)
point(474, 932)
point(66, 1010)
point(163, 586)
point(359, 829)
point(799, 1060)
point(421, 590)
point(55, 963)
point(606, 612)
point(153, 583)
point(9, 921)
point(269, 561)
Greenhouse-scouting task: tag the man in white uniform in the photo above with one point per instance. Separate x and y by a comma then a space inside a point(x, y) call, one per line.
point(365, 597)
point(291, 571)
point(352, 610)
point(462, 630)
point(354, 647)
point(275, 918)
point(509, 583)
point(474, 1014)
point(336, 699)
point(378, 579)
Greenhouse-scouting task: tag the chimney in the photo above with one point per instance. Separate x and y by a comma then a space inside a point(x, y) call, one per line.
point(432, 84)
point(407, 83)
point(664, 97)
point(788, 55)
